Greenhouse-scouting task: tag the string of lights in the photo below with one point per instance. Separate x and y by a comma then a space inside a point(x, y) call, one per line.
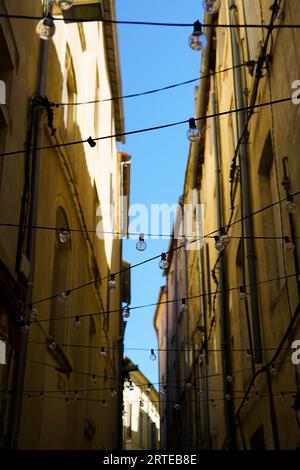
point(150, 23)
point(156, 90)
point(134, 234)
point(163, 262)
point(92, 141)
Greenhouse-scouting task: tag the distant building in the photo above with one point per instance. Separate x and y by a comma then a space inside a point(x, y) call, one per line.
point(140, 413)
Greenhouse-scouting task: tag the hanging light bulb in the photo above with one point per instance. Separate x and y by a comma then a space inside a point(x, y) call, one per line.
point(141, 245)
point(248, 354)
point(113, 393)
point(290, 205)
point(193, 134)
point(45, 28)
point(63, 296)
point(218, 244)
point(103, 353)
point(64, 236)
point(64, 4)
point(148, 388)
point(289, 245)
point(213, 403)
point(281, 396)
point(273, 369)
point(183, 306)
point(93, 379)
point(91, 142)
point(126, 313)
point(152, 355)
point(34, 312)
point(224, 237)
point(112, 284)
point(26, 327)
point(243, 294)
point(41, 395)
point(131, 386)
point(228, 396)
point(77, 395)
point(163, 264)
point(229, 378)
point(77, 322)
point(211, 6)
point(177, 406)
point(67, 401)
point(104, 403)
point(188, 386)
point(141, 403)
point(52, 345)
point(197, 40)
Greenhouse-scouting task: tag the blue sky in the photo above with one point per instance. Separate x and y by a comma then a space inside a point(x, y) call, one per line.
point(152, 57)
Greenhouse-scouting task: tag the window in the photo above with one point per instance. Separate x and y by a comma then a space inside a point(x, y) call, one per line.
point(70, 93)
point(60, 282)
point(270, 221)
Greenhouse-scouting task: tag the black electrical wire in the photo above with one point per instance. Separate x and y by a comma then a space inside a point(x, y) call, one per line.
point(148, 129)
point(149, 23)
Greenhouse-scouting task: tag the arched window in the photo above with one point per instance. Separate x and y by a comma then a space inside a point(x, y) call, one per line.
point(60, 280)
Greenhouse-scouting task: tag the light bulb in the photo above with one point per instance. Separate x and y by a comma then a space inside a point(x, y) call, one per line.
point(63, 296)
point(41, 395)
point(281, 395)
point(112, 284)
point(104, 403)
point(91, 142)
point(103, 353)
point(183, 306)
point(197, 40)
point(64, 4)
point(67, 401)
point(290, 205)
point(93, 379)
point(224, 237)
point(148, 388)
point(126, 313)
point(64, 236)
point(77, 322)
point(152, 355)
point(218, 244)
point(52, 345)
point(77, 395)
point(131, 386)
point(163, 264)
point(289, 245)
point(211, 6)
point(243, 295)
point(213, 403)
point(113, 393)
point(193, 134)
point(34, 312)
point(248, 354)
point(228, 396)
point(141, 245)
point(141, 403)
point(188, 386)
point(46, 28)
point(177, 406)
point(229, 378)
point(26, 327)
point(273, 369)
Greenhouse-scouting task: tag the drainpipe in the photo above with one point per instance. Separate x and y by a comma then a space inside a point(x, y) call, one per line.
point(228, 407)
point(20, 355)
point(246, 188)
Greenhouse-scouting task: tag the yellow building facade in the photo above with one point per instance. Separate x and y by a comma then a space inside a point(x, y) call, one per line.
point(72, 395)
point(241, 388)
